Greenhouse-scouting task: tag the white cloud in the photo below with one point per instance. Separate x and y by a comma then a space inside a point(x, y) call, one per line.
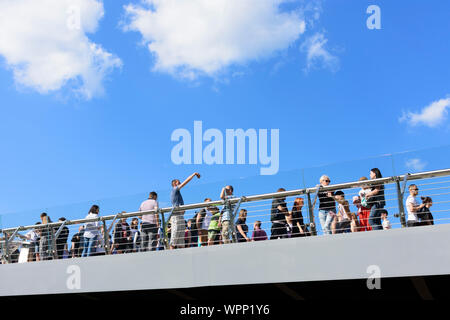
point(45, 44)
point(432, 115)
point(317, 56)
point(416, 164)
point(204, 37)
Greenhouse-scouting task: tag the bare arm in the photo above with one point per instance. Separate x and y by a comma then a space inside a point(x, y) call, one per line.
point(185, 182)
point(242, 232)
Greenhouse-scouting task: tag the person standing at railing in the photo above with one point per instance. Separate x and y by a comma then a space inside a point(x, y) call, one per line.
point(61, 240)
point(413, 207)
point(327, 206)
point(214, 227)
point(202, 219)
point(278, 214)
point(298, 225)
point(177, 219)
point(122, 236)
point(150, 223)
point(227, 212)
point(363, 207)
point(376, 200)
point(33, 237)
point(135, 244)
point(258, 234)
point(343, 218)
point(91, 231)
point(424, 214)
point(241, 227)
point(45, 238)
point(386, 223)
point(77, 243)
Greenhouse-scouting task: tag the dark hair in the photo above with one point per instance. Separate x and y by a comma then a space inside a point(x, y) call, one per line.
point(94, 209)
point(377, 173)
point(339, 193)
point(62, 219)
point(174, 181)
point(153, 195)
point(281, 190)
point(43, 214)
point(231, 187)
point(426, 199)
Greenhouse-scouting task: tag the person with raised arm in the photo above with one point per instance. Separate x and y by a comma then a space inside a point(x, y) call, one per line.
point(177, 219)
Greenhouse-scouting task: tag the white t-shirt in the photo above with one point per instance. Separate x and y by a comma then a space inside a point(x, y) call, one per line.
point(412, 216)
point(344, 215)
point(206, 220)
point(91, 229)
point(149, 205)
point(32, 234)
point(386, 224)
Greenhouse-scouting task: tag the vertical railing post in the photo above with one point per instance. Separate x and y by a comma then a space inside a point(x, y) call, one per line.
point(401, 207)
point(163, 221)
point(52, 244)
point(233, 216)
point(311, 213)
point(6, 248)
point(106, 244)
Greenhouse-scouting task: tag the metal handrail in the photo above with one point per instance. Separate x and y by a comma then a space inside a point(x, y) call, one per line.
point(266, 196)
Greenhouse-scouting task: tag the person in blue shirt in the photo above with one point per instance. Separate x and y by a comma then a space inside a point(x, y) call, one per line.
point(177, 219)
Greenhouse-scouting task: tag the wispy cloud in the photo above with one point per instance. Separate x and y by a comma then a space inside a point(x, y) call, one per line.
point(416, 164)
point(431, 116)
point(196, 38)
point(317, 55)
point(46, 46)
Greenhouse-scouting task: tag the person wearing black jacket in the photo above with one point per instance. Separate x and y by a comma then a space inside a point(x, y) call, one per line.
point(61, 240)
point(376, 200)
point(278, 217)
point(424, 214)
point(122, 236)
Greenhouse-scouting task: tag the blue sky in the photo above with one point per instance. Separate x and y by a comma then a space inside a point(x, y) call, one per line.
point(61, 147)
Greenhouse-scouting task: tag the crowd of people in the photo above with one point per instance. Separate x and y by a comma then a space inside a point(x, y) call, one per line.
point(213, 225)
